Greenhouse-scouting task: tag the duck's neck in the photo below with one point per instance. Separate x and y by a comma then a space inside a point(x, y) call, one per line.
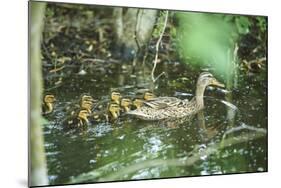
point(86, 121)
point(127, 109)
point(116, 101)
point(199, 94)
point(114, 115)
point(49, 107)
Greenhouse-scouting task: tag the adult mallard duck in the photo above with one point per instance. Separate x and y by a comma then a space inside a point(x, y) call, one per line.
point(170, 107)
point(77, 120)
point(48, 104)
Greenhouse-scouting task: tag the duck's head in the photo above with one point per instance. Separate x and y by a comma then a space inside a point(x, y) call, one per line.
point(148, 95)
point(49, 99)
point(126, 103)
point(115, 96)
point(114, 110)
point(83, 115)
point(87, 98)
point(206, 79)
point(87, 102)
point(137, 103)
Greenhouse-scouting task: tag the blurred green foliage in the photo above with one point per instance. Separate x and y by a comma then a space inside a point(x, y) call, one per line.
point(207, 39)
point(262, 23)
point(243, 24)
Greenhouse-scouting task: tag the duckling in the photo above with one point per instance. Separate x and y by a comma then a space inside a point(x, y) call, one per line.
point(115, 97)
point(138, 102)
point(78, 120)
point(85, 102)
point(110, 114)
point(102, 109)
point(113, 111)
point(148, 95)
point(102, 105)
point(48, 104)
point(125, 105)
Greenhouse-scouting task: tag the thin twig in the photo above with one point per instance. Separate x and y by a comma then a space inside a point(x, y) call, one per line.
point(235, 56)
point(144, 56)
point(243, 126)
point(56, 69)
point(95, 60)
point(162, 73)
point(136, 30)
point(157, 47)
point(136, 38)
point(46, 50)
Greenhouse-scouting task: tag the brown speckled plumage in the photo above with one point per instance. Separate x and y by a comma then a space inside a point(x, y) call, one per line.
point(171, 107)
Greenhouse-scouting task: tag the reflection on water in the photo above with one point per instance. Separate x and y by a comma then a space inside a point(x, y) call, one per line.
point(106, 148)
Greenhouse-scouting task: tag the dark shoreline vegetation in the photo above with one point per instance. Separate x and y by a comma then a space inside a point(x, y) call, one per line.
point(92, 51)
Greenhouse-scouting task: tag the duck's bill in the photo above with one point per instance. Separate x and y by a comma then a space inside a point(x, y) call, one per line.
point(217, 83)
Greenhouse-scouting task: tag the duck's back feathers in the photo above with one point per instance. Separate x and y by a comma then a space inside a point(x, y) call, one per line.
point(158, 110)
point(162, 102)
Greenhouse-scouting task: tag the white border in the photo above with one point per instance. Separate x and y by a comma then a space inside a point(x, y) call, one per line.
point(13, 74)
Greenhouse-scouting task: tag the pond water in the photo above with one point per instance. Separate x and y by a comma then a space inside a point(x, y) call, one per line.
point(117, 151)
